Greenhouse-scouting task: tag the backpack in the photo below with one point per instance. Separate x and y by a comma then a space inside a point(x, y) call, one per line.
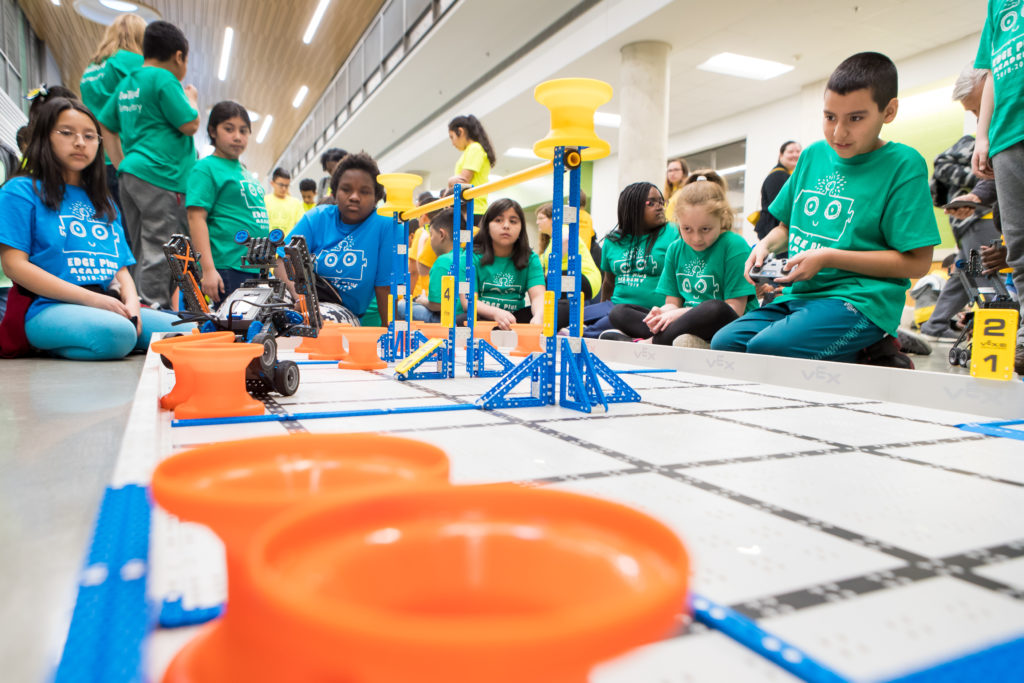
point(13, 342)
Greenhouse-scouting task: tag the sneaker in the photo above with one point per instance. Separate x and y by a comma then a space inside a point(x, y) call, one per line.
point(912, 342)
point(946, 337)
point(615, 335)
point(886, 353)
point(690, 341)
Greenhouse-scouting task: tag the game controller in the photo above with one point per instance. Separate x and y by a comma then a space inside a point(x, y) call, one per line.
point(769, 270)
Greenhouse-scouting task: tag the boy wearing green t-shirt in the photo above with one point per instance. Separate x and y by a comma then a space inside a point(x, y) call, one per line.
point(441, 241)
point(999, 147)
point(857, 221)
point(156, 118)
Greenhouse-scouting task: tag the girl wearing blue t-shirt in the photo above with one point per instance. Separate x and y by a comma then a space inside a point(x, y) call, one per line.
point(350, 243)
point(703, 280)
point(61, 240)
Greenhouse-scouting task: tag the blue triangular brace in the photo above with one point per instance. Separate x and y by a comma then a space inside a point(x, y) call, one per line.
point(483, 350)
point(593, 370)
point(497, 396)
point(572, 392)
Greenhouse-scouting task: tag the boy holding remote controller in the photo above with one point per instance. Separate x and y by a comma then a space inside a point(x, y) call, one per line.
point(857, 221)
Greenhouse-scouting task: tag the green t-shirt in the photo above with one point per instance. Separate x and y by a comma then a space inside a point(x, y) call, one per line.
point(232, 201)
point(1001, 50)
point(635, 268)
point(100, 80)
point(715, 273)
point(501, 285)
point(437, 271)
point(872, 202)
point(474, 159)
point(149, 107)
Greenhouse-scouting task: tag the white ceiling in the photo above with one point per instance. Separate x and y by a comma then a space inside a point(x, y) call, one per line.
point(812, 35)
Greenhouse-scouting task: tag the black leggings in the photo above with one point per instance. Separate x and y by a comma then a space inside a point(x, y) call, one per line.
point(702, 320)
point(563, 305)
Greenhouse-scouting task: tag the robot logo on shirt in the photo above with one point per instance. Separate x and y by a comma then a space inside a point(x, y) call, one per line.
point(84, 235)
point(253, 195)
point(1010, 17)
point(699, 285)
point(342, 265)
point(823, 213)
point(501, 283)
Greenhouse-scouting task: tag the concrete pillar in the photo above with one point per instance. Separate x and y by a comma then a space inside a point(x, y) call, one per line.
point(643, 105)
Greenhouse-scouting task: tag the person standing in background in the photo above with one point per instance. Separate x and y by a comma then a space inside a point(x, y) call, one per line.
point(283, 209)
point(118, 54)
point(789, 153)
point(474, 166)
point(953, 179)
point(999, 148)
point(675, 173)
point(156, 118)
point(307, 188)
point(328, 162)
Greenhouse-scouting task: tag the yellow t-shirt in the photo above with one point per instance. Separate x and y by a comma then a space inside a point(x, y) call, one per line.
point(423, 253)
point(588, 269)
point(306, 207)
point(474, 159)
point(283, 213)
point(586, 228)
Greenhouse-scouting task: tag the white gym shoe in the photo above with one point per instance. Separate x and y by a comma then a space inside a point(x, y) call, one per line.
point(690, 341)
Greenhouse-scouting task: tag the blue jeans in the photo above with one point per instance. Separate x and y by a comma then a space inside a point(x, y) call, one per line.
point(233, 279)
point(818, 329)
point(86, 333)
point(420, 313)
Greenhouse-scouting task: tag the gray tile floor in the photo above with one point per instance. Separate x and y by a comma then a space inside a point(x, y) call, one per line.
point(61, 425)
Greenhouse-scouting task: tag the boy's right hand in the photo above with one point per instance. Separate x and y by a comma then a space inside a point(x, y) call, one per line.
point(212, 284)
point(981, 164)
point(993, 259)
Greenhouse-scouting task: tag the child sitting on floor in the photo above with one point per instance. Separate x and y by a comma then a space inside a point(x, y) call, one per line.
point(703, 280)
point(61, 241)
point(508, 273)
point(857, 220)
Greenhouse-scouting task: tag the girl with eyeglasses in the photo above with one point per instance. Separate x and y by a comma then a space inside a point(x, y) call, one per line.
point(61, 241)
point(632, 257)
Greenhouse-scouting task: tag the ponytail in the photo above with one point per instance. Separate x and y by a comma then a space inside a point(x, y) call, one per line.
point(475, 132)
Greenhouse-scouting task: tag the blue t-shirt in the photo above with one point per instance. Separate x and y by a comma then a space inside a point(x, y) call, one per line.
point(69, 243)
point(353, 258)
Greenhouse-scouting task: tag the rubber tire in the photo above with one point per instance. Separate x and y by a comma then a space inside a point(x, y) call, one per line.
point(965, 358)
point(268, 361)
point(954, 356)
point(286, 378)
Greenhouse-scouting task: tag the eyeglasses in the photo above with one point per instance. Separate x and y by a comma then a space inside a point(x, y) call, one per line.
point(655, 202)
point(88, 137)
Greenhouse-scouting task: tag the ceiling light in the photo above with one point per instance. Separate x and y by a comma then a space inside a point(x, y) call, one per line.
point(119, 6)
point(253, 116)
point(225, 53)
point(264, 128)
point(307, 38)
point(520, 153)
point(732, 169)
point(299, 96)
point(744, 67)
point(607, 120)
point(56, 2)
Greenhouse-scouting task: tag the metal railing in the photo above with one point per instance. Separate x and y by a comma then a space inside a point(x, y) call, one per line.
point(394, 32)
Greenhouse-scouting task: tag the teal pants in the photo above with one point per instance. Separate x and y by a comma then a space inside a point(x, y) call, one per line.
point(818, 329)
point(85, 333)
